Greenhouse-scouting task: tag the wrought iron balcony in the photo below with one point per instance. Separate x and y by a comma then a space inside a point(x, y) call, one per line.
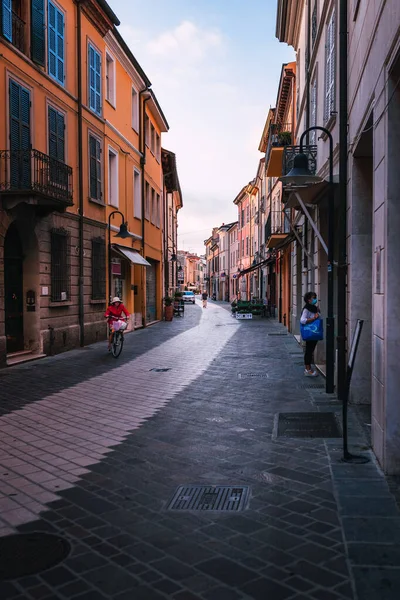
point(18, 32)
point(30, 173)
point(277, 228)
point(280, 136)
point(291, 151)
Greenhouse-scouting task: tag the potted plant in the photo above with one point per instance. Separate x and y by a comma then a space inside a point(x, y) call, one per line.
point(169, 308)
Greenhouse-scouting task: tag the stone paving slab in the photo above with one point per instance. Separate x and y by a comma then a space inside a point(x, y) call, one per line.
point(99, 459)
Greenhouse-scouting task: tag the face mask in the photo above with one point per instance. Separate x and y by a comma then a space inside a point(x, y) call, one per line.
point(314, 301)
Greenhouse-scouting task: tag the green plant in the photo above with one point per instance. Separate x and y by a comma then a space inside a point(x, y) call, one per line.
point(168, 300)
point(285, 138)
point(178, 294)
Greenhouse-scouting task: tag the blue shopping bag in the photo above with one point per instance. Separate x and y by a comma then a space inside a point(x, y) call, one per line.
point(312, 331)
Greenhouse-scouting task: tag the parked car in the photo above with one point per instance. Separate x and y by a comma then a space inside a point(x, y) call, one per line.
point(188, 297)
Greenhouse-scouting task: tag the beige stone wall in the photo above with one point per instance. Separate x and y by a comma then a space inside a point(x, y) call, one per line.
point(54, 326)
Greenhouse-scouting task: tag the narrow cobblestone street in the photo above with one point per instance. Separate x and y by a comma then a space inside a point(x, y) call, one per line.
point(93, 449)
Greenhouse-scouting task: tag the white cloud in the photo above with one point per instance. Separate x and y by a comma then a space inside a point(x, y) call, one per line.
point(214, 118)
point(186, 42)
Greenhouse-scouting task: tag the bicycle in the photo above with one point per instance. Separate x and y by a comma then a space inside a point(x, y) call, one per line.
point(117, 340)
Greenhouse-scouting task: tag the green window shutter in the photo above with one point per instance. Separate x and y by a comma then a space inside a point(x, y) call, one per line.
point(20, 138)
point(95, 168)
point(37, 32)
point(56, 135)
point(6, 19)
point(56, 43)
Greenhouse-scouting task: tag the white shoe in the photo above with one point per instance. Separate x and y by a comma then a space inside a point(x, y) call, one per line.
point(310, 373)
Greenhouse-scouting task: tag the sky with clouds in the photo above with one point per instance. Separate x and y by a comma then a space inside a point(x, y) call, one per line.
point(214, 67)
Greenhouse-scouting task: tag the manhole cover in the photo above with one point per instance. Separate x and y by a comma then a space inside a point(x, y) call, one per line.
point(308, 425)
point(252, 376)
point(211, 497)
point(160, 370)
point(30, 553)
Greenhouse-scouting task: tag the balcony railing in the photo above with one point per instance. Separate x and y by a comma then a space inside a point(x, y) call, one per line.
point(18, 32)
point(291, 151)
point(32, 172)
point(280, 135)
point(277, 224)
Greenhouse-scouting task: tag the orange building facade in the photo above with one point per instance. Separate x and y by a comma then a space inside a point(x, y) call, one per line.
point(80, 138)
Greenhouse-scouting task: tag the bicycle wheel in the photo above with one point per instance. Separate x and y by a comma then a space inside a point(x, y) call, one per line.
point(117, 344)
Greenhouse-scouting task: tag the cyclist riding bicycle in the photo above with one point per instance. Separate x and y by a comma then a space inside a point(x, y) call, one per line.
point(113, 313)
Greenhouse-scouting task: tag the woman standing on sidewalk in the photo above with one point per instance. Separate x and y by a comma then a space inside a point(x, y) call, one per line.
point(310, 314)
point(204, 297)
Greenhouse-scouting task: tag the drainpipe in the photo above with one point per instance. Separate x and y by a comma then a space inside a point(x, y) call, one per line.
point(342, 229)
point(80, 179)
point(142, 148)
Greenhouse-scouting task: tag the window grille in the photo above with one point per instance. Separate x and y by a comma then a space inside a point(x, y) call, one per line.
point(60, 267)
point(98, 269)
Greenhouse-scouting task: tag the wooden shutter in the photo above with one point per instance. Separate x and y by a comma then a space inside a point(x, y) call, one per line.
point(20, 138)
point(95, 168)
point(94, 80)
point(37, 32)
point(56, 43)
point(56, 135)
point(330, 68)
point(6, 19)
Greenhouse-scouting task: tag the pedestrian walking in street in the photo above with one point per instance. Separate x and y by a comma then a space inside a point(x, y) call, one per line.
point(204, 297)
point(311, 330)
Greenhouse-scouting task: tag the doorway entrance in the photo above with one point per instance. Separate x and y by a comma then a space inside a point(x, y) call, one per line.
point(13, 290)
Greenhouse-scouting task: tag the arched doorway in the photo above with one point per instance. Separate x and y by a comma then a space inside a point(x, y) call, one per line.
point(13, 290)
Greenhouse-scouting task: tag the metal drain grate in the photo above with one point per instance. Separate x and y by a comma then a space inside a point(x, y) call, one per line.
point(252, 376)
point(315, 386)
point(28, 554)
point(160, 370)
point(285, 334)
point(308, 425)
point(219, 498)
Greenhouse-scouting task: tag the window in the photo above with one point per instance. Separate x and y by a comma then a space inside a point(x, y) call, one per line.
point(330, 46)
point(147, 202)
point(98, 269)
point(158, 208)
point(242, 218)
point(153, 206)
point(313, 101)
point(6, 19)
point(56, 125)
point(247, 214)
point(137, 200)
point(112, 177)
point(37, 32)
point(146, 130)
point(152, 139)
point(242, 247)
point(247, 246)
point(314, 23)
point(94, 80)
point(135, 110)
point(56, 43)
point(110, 79)
point(20, 135)
point(60, 283)
point(95, 168)
point(158, 147)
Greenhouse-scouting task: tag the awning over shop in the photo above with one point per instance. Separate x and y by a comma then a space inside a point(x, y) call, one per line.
point(132, 255)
